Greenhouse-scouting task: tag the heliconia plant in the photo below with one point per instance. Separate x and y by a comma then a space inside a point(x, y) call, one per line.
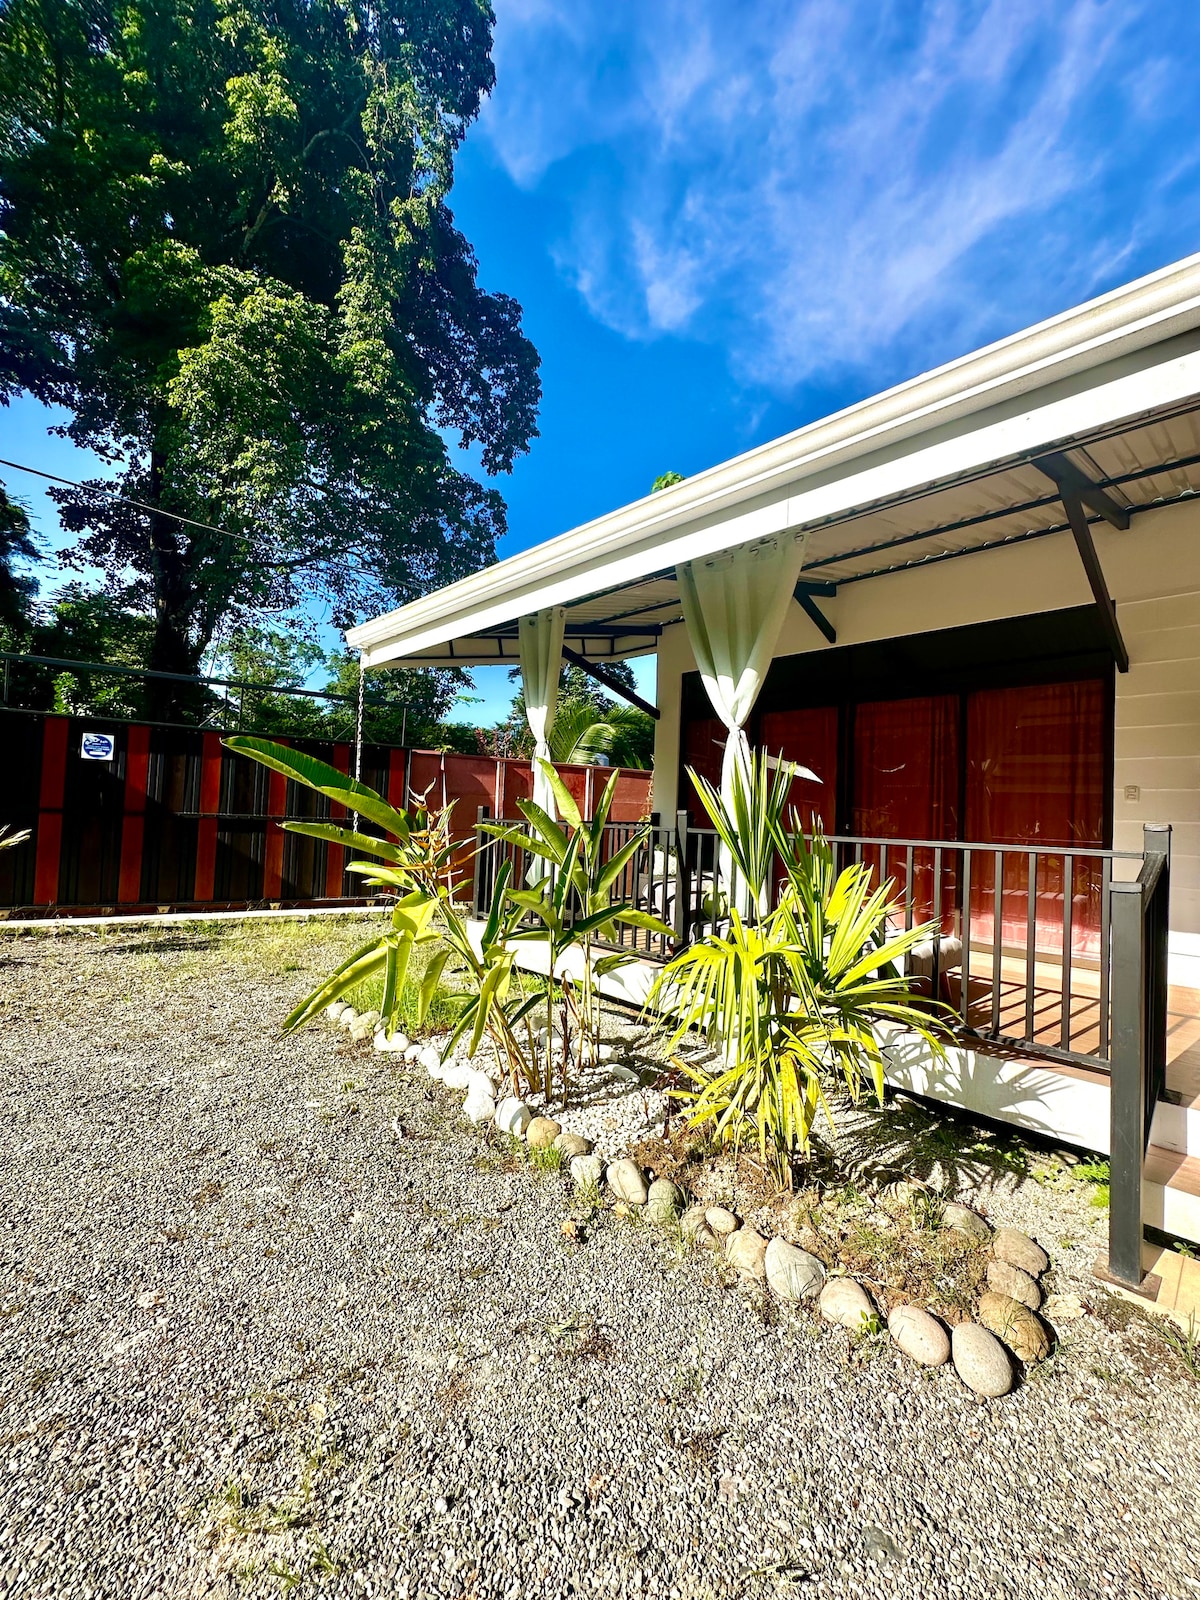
point(417, 858)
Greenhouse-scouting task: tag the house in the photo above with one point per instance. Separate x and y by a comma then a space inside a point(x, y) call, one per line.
point(970, 606)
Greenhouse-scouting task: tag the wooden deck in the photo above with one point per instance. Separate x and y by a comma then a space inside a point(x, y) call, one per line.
point(1082, 1033)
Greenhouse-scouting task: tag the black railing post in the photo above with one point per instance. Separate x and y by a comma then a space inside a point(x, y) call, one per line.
point(1157, 844)
point(683, 886)
point(477, 873)
point(1127, 1083)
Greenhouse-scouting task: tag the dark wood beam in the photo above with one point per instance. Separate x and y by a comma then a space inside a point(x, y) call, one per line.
point(1071, 480)
point(804, 597)
point(825, 590)
point(1095, 573)
point(609, 683)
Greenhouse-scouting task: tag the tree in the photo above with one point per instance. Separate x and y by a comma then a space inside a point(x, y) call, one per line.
point(226, 249)
point(17, 588)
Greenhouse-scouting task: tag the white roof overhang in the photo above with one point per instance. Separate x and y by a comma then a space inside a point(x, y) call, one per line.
point(936, 467)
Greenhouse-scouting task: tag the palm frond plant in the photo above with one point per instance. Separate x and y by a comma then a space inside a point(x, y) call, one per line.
point(416, 858)
point(789, 996)
point(10, 836)
point(575, 902)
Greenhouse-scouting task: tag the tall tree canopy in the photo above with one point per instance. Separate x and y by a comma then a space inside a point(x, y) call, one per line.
point(225, 248)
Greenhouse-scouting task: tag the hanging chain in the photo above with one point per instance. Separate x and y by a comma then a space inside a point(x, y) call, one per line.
point(362, 688)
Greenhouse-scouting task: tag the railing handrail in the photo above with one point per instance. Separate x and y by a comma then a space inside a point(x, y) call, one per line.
point(1031, 847)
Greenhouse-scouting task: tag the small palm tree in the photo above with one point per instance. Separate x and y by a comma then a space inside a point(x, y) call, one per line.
point(581, 736)
point(789, 995)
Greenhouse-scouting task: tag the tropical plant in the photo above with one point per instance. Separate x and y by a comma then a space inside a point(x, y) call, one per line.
point(791, 993)
point(573, 901)
point(10, 837)
point(582, 735)
point(417, 859)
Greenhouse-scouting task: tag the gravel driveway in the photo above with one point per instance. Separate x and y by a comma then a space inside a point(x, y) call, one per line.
point(270, 1323)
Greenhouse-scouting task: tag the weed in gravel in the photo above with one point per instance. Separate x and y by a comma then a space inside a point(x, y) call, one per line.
point(1186, 1343)
point(546, 1162)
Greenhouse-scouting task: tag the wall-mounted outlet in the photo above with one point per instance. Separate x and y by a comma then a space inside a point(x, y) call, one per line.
point(1132, 791)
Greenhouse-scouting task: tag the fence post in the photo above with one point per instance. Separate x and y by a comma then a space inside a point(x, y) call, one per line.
point(477, 865)
point(1156, 843)
point(682, 883)
point(1127, 1084)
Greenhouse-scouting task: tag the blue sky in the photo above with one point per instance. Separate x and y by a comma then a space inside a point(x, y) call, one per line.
point(725, 220)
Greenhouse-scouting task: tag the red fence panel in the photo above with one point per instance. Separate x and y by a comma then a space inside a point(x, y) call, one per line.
point(174, 819)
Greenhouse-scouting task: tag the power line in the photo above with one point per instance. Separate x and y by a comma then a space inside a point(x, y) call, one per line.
point(125, 500)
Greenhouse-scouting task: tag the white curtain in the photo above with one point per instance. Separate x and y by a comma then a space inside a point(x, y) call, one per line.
point(541, 639)
point(734, 605)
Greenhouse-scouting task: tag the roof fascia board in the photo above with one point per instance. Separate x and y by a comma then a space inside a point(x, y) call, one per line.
point(554, 582)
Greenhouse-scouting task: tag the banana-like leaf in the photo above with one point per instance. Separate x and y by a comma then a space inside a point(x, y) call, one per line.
point(363, 964)
point(614, 868)
point(348, 838)
point(326, 780)
point(429, 982)
point(563, 797)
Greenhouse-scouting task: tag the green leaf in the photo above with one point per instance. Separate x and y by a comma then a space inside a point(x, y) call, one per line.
point(362, 964)
point(429, 983)
point(563, 797)
point(326, 780)
point(348, 838)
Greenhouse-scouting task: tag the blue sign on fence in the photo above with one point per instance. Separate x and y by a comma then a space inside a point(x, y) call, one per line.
point(98, 747)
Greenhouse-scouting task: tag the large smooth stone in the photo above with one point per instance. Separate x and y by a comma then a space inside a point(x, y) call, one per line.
point(572, 1145)
point(847, 1303)
point(479, 1106)
point(371, 1018)
point(981, 1361)
point(664, 1202)
point(348, 1018)
point(430, 1058)
point(334, 1010)
point(919, 1335)
point(586, 1171)
point(747, 1251)
point(628, 1182)
point(965, 1221)
point(792, 1273)
point(720, 1220)
point(362, 1031)
point(1009, 1320)
point(1014, 1283)
point(542, 1132)
point(513, 1116)
point(456, 1074)
point(411, 1054)
point(1019, 1250)
point(396, 1044)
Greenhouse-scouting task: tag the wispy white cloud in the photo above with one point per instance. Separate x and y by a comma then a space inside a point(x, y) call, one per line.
point(837, 184)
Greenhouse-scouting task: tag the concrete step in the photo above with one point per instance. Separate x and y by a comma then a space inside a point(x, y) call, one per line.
point(1171, 1192)
point(1176, 1126)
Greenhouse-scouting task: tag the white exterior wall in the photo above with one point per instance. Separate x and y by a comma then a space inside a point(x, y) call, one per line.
point(1153, 573)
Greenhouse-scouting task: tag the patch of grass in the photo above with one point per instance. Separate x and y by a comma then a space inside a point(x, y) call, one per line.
point(546, 1161)
point(443, 1009)
point(1096, 1174)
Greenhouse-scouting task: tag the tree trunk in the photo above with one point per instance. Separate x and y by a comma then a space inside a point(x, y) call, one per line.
point(172, 649)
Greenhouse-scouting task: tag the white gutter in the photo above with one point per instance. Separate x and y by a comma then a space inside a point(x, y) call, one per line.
point(628, 543)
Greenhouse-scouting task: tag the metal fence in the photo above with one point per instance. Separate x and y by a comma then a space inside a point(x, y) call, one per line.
point(173, 819)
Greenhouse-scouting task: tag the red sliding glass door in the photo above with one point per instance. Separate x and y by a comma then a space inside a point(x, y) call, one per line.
point(1036, 769)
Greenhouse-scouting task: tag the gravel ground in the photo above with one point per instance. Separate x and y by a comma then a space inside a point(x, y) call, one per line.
point(272, 1321)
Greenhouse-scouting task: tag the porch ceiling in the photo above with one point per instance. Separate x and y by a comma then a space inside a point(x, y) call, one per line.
point(1152, 464)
